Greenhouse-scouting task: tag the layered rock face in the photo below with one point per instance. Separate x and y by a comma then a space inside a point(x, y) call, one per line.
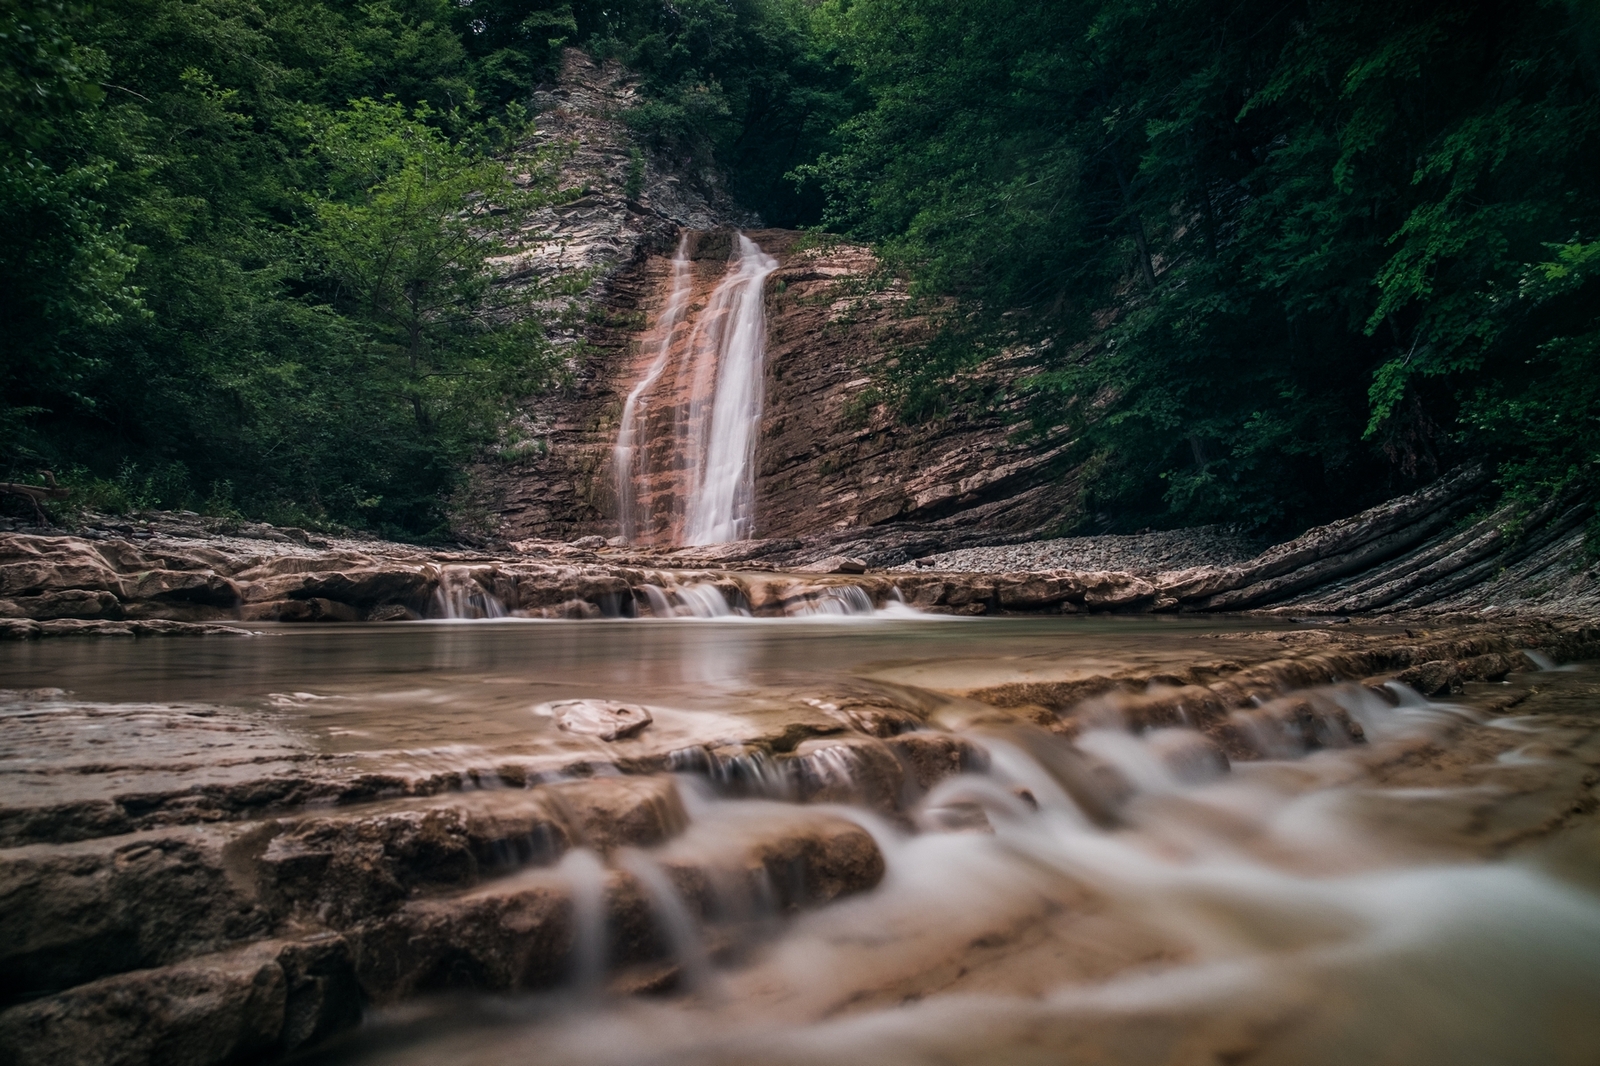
point(549, 477)
point(832, 463)
point(1406, 555)
point(683, 437)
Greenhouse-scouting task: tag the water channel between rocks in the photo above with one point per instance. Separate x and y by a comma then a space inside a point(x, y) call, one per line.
point(1342, 874)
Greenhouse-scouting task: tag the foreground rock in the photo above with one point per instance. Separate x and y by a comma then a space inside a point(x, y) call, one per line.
point(190, 883)
point(235, 943)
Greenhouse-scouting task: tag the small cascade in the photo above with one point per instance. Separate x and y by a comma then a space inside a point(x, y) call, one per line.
point(839, 600)
point(684, 459)
point(702, 600)
point(749, 772)
point(672, 917)
point(459, 597)
point(586, 878)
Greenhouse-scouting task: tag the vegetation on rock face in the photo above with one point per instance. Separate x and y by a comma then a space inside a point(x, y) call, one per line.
point(1278, 260)
point(1281, 259)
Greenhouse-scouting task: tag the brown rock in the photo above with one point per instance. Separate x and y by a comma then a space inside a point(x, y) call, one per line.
point(1032, 592)
point(517, 934)
point(1106, 591)
point(314, 609)
point(70, 913)
point(19, 629)
point(211, 1010)
point(70, 603)
point(202, 587)
point(834, 564)
point(1438, 678)
point(1492, 666)
point(931, 757)
point(611, 812)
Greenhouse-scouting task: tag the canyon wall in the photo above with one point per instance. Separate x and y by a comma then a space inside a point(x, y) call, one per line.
point(834, 466)
point(835, 470)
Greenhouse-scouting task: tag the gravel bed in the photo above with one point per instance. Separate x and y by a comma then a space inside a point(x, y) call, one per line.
point(1139, 553)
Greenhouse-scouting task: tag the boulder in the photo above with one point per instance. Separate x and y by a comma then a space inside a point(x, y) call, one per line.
point(516, 934)
point(1438, 678)
point(203, 587)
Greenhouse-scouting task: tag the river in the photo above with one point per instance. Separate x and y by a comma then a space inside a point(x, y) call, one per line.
point(1382, 879)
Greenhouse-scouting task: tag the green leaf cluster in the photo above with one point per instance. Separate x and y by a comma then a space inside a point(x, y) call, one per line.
point(749, 87)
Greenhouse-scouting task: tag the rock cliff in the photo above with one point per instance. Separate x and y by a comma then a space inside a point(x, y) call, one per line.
point(834, 466)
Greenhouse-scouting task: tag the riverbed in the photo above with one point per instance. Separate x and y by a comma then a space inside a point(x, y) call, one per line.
point(1109, 840)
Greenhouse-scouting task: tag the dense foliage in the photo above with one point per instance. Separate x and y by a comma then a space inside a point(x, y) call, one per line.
point(238, 271)
point(243, 265)
point(1280, 258)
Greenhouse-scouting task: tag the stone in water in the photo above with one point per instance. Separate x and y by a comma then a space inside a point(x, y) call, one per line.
point(606, 719)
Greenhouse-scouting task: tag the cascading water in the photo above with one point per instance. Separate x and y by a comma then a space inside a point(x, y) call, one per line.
point(721, 500)
point(1254, 914)
point(880, 846)
point(710, 381)
point(626, 460)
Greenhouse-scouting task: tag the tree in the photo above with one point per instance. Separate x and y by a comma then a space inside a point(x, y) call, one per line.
point(1273, 255)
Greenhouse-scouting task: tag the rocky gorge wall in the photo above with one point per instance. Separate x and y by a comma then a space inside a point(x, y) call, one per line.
point(834, 466)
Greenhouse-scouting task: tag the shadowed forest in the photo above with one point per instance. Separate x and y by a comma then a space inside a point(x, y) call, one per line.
point(1278, 261)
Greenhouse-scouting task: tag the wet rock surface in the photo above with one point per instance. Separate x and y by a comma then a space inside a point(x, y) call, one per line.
point(606, 719)
point(198, 883)
point(1403, 558)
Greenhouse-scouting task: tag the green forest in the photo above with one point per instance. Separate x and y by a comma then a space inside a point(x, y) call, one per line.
point(1280, 260)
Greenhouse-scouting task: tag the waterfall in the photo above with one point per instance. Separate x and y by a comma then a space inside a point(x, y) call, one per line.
point(624, 454)
point(712, 385)
point(721, 501)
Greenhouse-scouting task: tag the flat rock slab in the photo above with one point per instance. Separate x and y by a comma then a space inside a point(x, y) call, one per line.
point(606, 719)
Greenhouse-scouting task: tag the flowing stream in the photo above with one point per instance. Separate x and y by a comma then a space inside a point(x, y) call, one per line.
point(1389, 901)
